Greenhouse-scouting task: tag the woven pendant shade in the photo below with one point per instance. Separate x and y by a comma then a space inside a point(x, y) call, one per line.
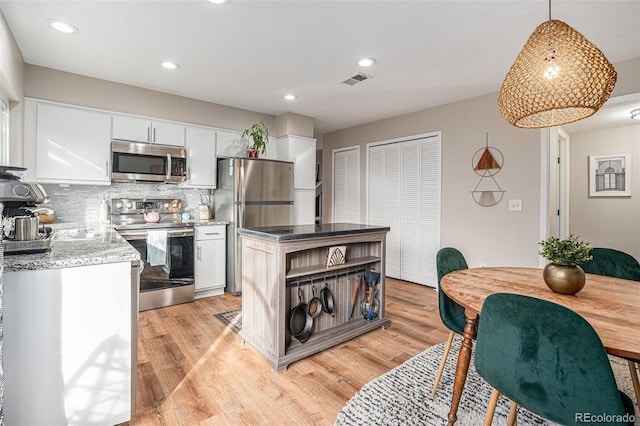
point(558, 77)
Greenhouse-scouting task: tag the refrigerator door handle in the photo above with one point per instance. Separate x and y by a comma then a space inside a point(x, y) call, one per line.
point(241, 186)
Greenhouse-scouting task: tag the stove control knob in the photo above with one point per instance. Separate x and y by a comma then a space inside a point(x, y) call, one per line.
point(21, 190)
point(166, 205)
point(118, 205)
point(129, 205)
point(174, 205)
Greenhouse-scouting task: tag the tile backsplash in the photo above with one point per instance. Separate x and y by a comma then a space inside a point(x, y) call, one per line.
point(80, 203)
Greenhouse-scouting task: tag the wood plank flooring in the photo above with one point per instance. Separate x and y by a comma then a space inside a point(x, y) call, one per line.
point(193, 371)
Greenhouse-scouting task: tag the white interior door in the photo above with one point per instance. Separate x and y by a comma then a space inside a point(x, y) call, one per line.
point(346, 185)
point(403, 182)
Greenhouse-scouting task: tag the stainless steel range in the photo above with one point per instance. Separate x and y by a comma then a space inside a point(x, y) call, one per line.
point(165, 244)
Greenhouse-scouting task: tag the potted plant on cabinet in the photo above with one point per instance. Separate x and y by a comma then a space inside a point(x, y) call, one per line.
point(564, 275)
point(259, 134)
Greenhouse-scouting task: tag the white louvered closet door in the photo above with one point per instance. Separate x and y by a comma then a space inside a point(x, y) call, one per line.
point(346, 185)
point(405, 178)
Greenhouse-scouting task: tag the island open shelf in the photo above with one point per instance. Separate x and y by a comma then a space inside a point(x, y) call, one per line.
point(279, 262)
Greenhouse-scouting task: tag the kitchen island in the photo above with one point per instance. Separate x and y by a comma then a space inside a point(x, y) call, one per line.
point(70, 330)
point(285, 265)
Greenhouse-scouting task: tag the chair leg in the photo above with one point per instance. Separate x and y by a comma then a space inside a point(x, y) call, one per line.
point(442, 363)
point(512, 420)
point(633, 369)
point(491, 408)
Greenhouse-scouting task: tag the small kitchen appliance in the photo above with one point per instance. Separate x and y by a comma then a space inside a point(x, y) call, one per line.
point(155, 228)
point(18, 200)
point(133, 161)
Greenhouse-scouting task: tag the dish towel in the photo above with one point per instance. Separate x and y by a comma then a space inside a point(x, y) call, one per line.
point(157, 247)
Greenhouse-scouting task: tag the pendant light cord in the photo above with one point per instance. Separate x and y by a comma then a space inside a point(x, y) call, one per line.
point(549, 9)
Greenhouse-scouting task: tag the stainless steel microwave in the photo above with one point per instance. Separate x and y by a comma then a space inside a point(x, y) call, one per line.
point(134, 161)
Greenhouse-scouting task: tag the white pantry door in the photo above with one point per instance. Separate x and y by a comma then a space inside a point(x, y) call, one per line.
point(404, 194)
point(346, 185)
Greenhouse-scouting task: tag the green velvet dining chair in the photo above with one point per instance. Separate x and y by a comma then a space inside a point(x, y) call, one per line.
point(615, 263)
point(547, 359)
point(448, 259)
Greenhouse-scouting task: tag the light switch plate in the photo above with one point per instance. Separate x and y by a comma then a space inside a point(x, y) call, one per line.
point(515, 205)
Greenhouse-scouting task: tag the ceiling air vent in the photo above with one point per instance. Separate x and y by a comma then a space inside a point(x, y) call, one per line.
point(356, 79)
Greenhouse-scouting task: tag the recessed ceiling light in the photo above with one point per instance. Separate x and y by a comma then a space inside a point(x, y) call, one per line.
point(367, 62)
point(169, 65)
point(290, 97)
point(62, 26)
point(220, 1)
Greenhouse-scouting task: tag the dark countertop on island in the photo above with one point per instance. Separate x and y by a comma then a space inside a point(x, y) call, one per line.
point(304, 232)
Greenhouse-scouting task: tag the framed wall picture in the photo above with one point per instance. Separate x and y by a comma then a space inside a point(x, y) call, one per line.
point(610, 175)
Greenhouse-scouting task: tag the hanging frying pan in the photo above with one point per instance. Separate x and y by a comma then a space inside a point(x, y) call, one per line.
point(327, 300)
point(314, 307)
point(300, 322)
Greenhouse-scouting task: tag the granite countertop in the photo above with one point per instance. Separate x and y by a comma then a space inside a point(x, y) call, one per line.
point(303, 232)
point(75, 247)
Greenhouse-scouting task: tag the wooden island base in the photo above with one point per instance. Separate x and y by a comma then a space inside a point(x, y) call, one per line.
point(277, 262)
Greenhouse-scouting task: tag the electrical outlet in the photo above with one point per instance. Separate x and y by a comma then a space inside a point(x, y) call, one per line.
point(515, 205)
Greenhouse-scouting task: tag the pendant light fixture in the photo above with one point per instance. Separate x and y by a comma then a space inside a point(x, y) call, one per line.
point(559, 77)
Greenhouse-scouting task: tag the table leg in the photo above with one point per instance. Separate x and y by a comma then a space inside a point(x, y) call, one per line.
point(464, 357)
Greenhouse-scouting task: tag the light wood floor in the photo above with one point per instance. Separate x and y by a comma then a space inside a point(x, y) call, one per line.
point(193, 371)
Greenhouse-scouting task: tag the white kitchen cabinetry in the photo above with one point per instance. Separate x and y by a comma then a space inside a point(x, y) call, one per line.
point(302, 152)
point(231, 144)
point(404, 194)
point(211, 260)
point(228, 144)
point(68, 347)
point(304, 206)
point(64, 144)
point(201, 157)
point(140, 129)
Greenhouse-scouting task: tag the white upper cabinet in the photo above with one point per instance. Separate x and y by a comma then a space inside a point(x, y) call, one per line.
point(140, 129)
point(302, 151)
point(201, 157)
point(228, 144)
point(65, 144)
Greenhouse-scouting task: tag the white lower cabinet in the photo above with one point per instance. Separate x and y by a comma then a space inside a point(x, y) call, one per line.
point(68, 345)
point(211, 259)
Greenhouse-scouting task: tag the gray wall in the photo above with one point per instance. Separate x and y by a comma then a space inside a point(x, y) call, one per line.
point(605, 221)
point(486, 235)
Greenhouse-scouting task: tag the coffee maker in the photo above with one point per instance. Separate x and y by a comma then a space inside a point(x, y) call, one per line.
point(21, 226)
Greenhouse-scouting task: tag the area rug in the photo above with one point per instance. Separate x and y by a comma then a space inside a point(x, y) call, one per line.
point(233, 319)
point(402, 396)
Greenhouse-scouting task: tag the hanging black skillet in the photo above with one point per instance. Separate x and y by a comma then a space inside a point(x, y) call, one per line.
point(300, 322)
point(327, 300)
point(315, 306)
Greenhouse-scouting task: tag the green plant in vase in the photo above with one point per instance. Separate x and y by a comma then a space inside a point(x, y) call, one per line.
point(564, 275)
point(259, 133)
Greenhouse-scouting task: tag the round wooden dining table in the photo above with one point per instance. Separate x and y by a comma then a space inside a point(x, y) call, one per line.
point(610, 305)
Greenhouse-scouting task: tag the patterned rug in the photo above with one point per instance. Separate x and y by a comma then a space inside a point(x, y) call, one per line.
point(402, 396)
point(233, 319)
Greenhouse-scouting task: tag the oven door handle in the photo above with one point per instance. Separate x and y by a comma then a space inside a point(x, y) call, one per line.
point(143, 235)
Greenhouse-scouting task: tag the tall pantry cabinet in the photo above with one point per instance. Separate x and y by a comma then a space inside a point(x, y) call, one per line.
point(404, 194)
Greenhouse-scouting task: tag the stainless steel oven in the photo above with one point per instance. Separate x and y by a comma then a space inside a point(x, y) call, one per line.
point(169, 281)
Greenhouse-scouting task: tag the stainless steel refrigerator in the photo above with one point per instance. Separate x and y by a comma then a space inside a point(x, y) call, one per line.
point(251, 193)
